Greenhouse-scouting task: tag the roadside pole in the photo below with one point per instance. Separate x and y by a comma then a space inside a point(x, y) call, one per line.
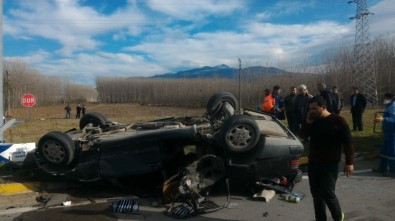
point(29, 101)
point(240, 109)
point(1, 71)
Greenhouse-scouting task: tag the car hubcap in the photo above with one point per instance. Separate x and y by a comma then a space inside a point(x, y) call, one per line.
point(240, 136)
point(54, 152)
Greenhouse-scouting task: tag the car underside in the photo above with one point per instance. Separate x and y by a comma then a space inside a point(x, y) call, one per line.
point(191, 152)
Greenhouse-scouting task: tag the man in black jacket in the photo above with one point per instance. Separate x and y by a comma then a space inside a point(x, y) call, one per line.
point(358, 104)
point(329, 135)
point(325, 93)
point(338, 101)
point(290, 110)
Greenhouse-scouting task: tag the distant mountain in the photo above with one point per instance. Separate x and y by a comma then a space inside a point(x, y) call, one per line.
point(222, 71)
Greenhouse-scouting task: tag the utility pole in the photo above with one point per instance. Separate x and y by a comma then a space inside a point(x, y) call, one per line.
point(1, 71)
point(240, 109)
point(363, 75)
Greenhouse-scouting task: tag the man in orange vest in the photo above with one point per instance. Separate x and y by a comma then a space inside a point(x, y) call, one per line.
point(271, 102)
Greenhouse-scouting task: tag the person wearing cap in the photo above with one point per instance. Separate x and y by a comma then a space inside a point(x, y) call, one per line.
point(387, 155)
point(358, 104)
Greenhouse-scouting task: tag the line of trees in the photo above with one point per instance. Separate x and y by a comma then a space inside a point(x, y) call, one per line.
point(20, 79)
point(336, 70)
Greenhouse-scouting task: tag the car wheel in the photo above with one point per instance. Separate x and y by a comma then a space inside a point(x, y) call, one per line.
point(96, 118)
point(240, 133)
point(214, 103)
point(55, 149)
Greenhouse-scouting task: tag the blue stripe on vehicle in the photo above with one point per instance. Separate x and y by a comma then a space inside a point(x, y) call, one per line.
point(4, 147)
point(3, 159)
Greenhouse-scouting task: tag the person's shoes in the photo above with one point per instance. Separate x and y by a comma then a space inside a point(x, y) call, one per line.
point(379, 170)
point(389, 174)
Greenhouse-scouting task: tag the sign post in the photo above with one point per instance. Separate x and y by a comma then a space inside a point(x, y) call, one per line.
point(28, 100)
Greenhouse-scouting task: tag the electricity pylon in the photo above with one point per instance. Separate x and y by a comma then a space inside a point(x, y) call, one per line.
point(363, 75)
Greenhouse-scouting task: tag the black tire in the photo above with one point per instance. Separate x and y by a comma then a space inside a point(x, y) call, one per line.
point(240, 133)
point(96, 118)
point(214, 103)
point(55, 150)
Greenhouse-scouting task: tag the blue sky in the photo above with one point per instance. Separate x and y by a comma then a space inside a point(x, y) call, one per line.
point(82, 39)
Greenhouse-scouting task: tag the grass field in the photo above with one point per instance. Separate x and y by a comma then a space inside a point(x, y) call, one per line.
point(49, 118)
point(45, 119)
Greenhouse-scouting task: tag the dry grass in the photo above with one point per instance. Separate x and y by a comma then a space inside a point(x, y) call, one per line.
point(49, 118)
point(45, 119)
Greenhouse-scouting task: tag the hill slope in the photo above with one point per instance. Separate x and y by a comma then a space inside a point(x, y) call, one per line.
point(222, 71)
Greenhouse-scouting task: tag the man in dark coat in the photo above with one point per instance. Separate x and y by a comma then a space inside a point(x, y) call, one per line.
point(325, 93)
point(78, 110)
point(68, 111)
point(338, 101)
point(329, 137)
point(83, 109)
point(290, 110)
point(302, 105)
point(358, 104)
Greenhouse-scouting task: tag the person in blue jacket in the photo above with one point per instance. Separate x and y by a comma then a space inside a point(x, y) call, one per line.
point(387, 158)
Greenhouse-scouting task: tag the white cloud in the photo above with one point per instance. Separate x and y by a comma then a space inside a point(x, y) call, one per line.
point(72, 25)
point(382, 22)
point(290, 7)
point(259, 42)
point(84, 68)
point(36, 57)
point(167, 44)
point(195, 10)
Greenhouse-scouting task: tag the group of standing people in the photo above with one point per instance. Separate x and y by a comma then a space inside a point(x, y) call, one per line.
point(80, 109)
point(294, 106)
point(318, 118)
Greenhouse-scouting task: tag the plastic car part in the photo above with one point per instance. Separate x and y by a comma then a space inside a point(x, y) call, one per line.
point(183, 211)
point(240, 133)
point(125, 206)
point(96, 119)
point(298, 176)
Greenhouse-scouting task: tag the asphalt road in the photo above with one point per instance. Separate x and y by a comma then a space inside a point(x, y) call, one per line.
point(364, 196)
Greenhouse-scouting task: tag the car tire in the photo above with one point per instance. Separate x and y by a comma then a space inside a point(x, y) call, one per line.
point(55, 150)
point(240, 133)
point(96, 118)
point(214, 102)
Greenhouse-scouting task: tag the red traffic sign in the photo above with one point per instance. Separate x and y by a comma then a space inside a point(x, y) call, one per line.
point(28, 100)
